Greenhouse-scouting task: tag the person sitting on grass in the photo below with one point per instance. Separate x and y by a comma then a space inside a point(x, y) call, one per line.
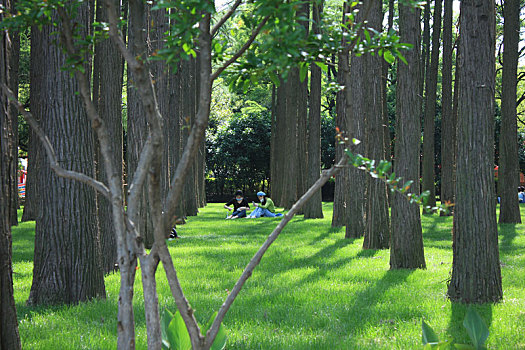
point(265, 208)
point(240, 205)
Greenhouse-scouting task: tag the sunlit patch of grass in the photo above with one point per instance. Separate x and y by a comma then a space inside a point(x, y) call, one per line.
point(313, 289)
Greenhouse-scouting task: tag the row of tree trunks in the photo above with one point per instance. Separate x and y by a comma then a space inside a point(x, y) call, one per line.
point(476, 272)
point(313, 209)
point(448, 125)
point(67, 260)
point(406, 244)
point(430, 108)
point(9, 336)
point(508, 172)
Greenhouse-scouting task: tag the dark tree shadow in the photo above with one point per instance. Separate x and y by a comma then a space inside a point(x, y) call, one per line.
point(455, 328)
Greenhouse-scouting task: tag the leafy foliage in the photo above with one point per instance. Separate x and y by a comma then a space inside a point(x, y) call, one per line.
point(175, 335)
point(473, 323)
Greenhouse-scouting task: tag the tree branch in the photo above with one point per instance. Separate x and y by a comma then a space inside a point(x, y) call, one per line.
point(241, 50)
point(53, 162)
point(225, 18)
point(212, 332)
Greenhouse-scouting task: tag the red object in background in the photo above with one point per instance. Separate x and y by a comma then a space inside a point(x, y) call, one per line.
point(522, 177)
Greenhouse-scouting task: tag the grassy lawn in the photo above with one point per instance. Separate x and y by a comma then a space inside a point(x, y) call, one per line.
point(312, 290)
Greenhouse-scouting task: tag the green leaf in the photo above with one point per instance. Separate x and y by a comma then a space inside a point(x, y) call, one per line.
point(429, 336)
point(303, 71)
point(166, 318)
point(476, 328)
point(220, 340)
point(387, 55)
point(402, 58)
point(177, 333)
point(323, 66)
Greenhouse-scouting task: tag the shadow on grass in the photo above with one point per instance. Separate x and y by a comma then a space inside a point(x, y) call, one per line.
point(455, 328)
point(507, 233)
point(23, 242)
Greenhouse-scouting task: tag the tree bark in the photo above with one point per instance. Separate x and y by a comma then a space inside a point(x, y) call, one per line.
point(448, 127)
point(377, 230)
point(476, 272)
point(406, 244)
point(9, 336)
point(356, 112)
point(384, 85)
point(340, 204)
point(107, 85)
point(425, 51)
point(430, 109)
point(508, 172)
point(313, 209)
point(67, 262)
point(289, 182)
point(137, 132)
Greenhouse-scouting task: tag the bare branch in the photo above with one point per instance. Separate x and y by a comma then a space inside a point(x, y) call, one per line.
point(212, 332)
point(242, 49)
point(225, 18)
point(53, 163)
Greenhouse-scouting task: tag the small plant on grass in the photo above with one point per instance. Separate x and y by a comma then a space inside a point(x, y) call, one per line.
point(476, 328)
point(175, 335)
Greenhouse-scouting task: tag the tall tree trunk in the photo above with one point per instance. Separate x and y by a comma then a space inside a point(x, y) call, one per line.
point(33, 201)
point(476, 272)
point(448, 127)
point(314, 208)
point(356, 111)
point(14, 53)
point(384, 87)
point(289, 185)
point(339, 211)
point(377, 231)
point(67, 262)
point(9, 337)
point(406, 244)
point(137, 131)
point(430, 109)
point(508, 173)
point(107, 85)
point(279, 139)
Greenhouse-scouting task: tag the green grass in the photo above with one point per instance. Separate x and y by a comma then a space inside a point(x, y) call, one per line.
point(312, 290)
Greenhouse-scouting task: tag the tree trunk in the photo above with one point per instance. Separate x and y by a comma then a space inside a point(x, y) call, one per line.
point(508, 172)
point(377, 231)
point(33, 201)
point(290, 167)
point(14, 53)
point(425, 50)
point(448, 127)
point(430, 109)
point(9, 337)
point(314, 208)
point(278, 145)
point(384, 86)
point(406, 244)
point(136, 136)
point(356, 112)
point(107, 85)
point(67, 262)
point(339, 211)
point(476, 273)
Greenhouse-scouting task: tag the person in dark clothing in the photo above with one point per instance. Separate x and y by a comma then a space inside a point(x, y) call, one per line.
point(239, 205)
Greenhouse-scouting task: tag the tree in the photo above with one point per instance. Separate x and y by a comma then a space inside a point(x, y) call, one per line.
point(406, 243)
point(430, 108)
point(508, 172)
point(356, 110)
point(35, 156)
point(9, 337)
point(377, 231)
point(314, 209)
point(476, 273)
point(65, 230)
point(448, 127)
point(107, 93)
point(340, 200)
